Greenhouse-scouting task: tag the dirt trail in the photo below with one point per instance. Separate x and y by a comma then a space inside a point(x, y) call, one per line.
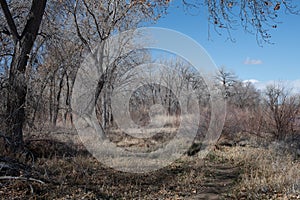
point(218, 181)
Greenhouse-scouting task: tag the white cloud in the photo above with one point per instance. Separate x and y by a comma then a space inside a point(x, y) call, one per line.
point(292, 85)
point(295, 85)
point(253, 81)
point(249, 61)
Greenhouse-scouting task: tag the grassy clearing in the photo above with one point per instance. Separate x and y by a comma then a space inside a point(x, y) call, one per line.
point(70, 172)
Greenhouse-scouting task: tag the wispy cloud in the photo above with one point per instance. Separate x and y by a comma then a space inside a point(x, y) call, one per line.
point(249, 61)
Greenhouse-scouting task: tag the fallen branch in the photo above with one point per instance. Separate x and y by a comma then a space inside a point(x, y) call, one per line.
point(21, 178)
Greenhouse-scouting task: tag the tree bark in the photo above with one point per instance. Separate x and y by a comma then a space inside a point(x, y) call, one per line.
point(17, 78)
point(58, 97)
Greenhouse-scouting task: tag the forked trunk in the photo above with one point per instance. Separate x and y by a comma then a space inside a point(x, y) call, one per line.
point(23, 44)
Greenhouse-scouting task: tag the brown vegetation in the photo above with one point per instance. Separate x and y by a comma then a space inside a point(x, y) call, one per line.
point(42, 45)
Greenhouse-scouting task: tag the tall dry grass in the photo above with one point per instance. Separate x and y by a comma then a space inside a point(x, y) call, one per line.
point(267, 174)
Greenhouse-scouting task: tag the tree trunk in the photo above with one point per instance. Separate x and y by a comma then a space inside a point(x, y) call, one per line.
point(68, 113)
point(51, 94)
point(57, 99)
point(17, 97)
point(18, 87)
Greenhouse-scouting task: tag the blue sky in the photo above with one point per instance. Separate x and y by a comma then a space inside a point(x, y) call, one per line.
point(272, 62)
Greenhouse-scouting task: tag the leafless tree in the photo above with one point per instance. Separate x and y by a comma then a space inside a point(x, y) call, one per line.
point(19, 33)
point(243, 109)
point(95, 21)
point(282, 108)
point(244, 95)
point(23, 35)
point(28, 28)
point(226, 80)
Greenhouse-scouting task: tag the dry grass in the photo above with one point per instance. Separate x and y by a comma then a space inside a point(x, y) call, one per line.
point(266, 174)
point(83, 177)
point(70, 172)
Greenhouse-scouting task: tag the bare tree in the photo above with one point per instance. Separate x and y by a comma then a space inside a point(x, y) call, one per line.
point(226, 79)
point(244, 95)
point(23, 32)
point(23, 38)
point(281, 110)
point(95, 21)
point(19, 30)
point(243, 109)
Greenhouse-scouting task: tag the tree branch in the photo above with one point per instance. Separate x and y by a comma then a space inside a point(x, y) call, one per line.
point(34, 17)
point(5, 31)
point(94, 18)
point(9, 19)
point(83, 40)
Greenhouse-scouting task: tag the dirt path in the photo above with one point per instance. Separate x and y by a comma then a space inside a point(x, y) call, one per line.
point(218, 181)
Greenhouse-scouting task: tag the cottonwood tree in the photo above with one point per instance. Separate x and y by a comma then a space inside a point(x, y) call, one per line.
point(57, 76)
point(226, 80)
point(244, 95)
point(244, 109)
point(282, 108)
point(19, 30)
point(183, 77)
point(23, 36)
point(95, 21)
